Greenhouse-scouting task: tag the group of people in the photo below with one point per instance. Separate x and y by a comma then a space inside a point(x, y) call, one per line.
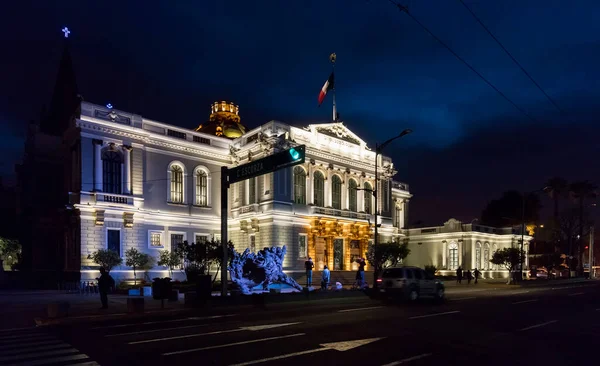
point(326, 275)
point(466, 274)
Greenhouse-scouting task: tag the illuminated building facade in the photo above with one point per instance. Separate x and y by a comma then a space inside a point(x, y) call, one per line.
point(147, 185)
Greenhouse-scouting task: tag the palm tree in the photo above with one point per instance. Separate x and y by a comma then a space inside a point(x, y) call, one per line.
point(557, 189)
point(581, 191)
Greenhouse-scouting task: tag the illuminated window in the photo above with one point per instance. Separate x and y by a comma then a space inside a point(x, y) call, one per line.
point(302, 246)
point(452, 256)
point(156, 239)
point(299, 185)
point(336, 192)
point(201, 188)
point(252, 243)
point(494, 250)
point(486, 256)
point(111, 171)
point(319, 187)
point(352, 193)
point(478, 255)
point(368, 197)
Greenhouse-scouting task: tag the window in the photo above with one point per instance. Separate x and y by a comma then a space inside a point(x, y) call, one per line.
point(368, 197)
point(319, 187)
point(201, 238)
point(176, 184)
point(299, 185)
point(352, 185)
point(179, 135)
point(155, 239)
point(478, 255)
point(494, 250)
point(201, 188)
point(302, 246)
point(252, 243)
point(202, 140)
point(251, 191)
point(111, 171)
point(418, 274)
point(398, 216)
point(113, 240)
point(177, 239)
point(486, 256)
point(452, 256)
point(217, 237)
point(336, 192)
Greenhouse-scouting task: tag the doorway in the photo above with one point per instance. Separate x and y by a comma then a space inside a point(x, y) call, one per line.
point(338, 254)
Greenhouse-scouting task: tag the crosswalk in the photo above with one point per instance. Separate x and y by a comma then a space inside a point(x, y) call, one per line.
point(33, 347)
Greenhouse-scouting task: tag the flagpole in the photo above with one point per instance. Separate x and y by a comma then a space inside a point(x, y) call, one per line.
point(332, 58)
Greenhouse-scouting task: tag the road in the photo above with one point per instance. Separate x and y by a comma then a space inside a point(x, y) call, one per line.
point(559, 325)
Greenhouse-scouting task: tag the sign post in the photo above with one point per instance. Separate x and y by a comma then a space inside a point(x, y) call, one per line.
point(290, 157)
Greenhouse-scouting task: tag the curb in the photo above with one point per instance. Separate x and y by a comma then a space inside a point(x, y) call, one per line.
point(42, 322)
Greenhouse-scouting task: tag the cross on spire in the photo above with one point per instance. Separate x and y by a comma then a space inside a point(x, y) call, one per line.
point(66, 31)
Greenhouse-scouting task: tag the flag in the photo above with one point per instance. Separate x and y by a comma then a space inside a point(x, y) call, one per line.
point(329, 85)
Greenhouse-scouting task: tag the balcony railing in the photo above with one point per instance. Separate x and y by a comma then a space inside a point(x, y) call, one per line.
point(400, 185)
point(341, 213)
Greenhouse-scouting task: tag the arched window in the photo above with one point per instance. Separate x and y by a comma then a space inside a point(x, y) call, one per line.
point(452, 256)
point(176, 184)
point(319, 187)
point(494, 250)
point(336, 192)
point(111, 171)
point(478, 255)
point(486, 256)
point(201, 188)
point(368, 197)
point(299, 185)
point(352, 201)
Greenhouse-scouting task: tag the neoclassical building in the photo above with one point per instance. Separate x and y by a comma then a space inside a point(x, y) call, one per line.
point(149, 185)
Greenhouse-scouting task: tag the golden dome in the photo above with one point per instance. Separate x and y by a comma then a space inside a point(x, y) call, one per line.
point(224, 121)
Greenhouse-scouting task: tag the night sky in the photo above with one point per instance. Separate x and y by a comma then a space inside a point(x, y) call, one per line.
point(169, 62)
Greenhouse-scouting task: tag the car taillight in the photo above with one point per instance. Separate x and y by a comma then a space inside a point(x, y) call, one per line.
point(379, 280)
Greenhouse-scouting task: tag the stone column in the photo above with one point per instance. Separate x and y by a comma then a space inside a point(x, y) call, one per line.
point(309, 190)
point(97, 165)
point(127, 170)
point(360, 196)
point(444, 254)
point(329, 256)
point(406, 222)
point(328, 201)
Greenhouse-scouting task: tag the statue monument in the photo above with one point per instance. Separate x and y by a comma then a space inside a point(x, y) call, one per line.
point(249, 270)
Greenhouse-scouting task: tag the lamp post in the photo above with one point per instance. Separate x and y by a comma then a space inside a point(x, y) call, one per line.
point(522, 254)
point(378, 149)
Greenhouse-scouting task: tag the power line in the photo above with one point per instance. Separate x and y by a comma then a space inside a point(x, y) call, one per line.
point(511, 56)
point(405, 10)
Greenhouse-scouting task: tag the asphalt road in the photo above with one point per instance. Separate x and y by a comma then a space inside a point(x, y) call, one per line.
point(558, 325)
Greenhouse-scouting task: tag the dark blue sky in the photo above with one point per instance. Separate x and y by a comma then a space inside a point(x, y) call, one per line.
point(169, 62)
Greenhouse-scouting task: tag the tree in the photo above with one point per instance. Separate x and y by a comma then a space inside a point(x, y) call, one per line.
point(387, 254)
point(557, 189)
point(106, 258)
point(169, 260)
point(10, 252)
point(136, 259)
point(507, 210)
point(217, 255)
point(509, 258)
point(581, 191)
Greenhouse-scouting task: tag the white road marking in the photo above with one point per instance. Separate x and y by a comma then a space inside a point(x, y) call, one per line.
point(338, 346)
point(92, 363)
point(538, 325)
point(524, 301)
point(24, 337)
point(80, 356)
point(577, 293)
point(359, 309)
point(436, 314)
point(408, 359)
point(41, 348)
point(31, 354)
point(250, 328)
point(463, 298)
point(194, 318)
point(232, 344)
point(156, 330)
point(34, 344)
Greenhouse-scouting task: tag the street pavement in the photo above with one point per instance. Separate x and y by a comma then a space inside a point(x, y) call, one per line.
point(486, 325)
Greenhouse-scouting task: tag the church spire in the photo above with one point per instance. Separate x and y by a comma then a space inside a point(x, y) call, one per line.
point(65, 97)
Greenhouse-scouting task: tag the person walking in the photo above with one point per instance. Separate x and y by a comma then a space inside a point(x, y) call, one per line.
point(459, 275)
point(325, 278)
point(309, 265)
point(105, 283)
point(476, 273)
point(361, 272)
point(469, 276)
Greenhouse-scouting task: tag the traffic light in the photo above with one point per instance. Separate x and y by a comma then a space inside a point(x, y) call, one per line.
point(293, 156)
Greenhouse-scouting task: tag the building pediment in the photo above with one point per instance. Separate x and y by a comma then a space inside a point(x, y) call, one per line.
point(337, 130)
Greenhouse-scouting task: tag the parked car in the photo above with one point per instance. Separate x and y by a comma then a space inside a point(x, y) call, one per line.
point(540, 272)
point(410, 283)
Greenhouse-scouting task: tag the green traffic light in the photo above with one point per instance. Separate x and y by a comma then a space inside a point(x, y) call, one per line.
point(295, 155)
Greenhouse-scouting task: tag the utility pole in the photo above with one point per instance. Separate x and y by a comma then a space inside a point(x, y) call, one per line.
point(591, 245)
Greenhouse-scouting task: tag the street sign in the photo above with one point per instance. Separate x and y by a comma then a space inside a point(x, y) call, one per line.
point(268, 164)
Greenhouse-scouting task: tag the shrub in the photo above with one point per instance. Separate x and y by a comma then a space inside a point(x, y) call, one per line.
point(106, 258)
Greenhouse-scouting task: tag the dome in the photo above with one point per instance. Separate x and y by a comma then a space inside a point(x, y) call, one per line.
point(224, 121)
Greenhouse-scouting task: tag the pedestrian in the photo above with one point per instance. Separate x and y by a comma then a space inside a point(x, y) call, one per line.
point(469, 277)
point(309, 265)
point(361, 271)
point(459, 275)
point(105, 283)
point(325, 278)
point(476, 273)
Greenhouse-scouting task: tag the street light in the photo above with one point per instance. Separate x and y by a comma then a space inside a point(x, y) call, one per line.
point(378, 149)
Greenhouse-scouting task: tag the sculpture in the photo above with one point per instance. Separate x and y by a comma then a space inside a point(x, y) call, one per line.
point(249, 269)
